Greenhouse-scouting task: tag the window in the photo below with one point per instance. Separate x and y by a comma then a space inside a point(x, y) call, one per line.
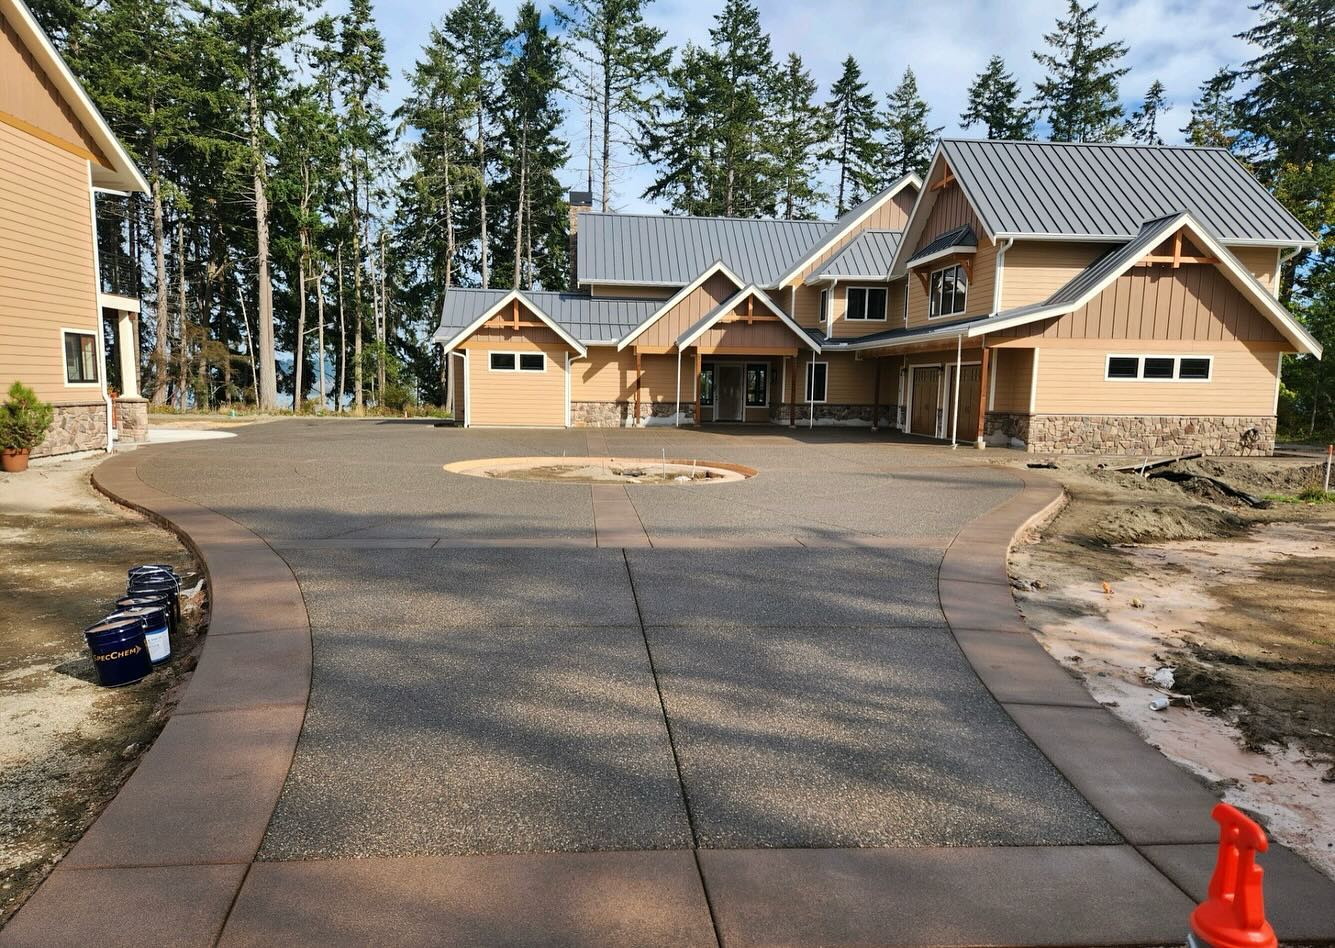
point(757, 385)
point(818, 374)
point(80, 358)
point(824, 304)
point(1159, 368)
point(518, 362)
point(707, 385)
point(866, 302)
point(948, 289)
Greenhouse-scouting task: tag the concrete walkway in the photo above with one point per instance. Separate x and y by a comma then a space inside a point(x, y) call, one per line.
point(799, 709)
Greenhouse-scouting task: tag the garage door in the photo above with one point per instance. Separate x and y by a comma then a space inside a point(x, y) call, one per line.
point(970, 391)
point(926, 400)
point(517, 388)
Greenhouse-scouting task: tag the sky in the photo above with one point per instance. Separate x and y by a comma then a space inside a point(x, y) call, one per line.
point(946, 42)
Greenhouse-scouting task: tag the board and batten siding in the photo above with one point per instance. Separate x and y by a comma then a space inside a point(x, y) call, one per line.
point(520, 399)
point(952, 210)
point(1032, 270)
point(47, 281)
point(666, 329)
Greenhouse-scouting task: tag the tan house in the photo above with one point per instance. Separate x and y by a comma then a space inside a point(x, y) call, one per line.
point(62, 307)
point(1061, 297)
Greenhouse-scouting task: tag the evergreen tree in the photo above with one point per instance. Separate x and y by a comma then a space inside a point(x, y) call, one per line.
point(994, 103)
point(908, 139)
point(1214, 115)
point(626, 64)
point(677, 137)
point(801, 128)
point(1144, 125)
point(854, 150)
point(1079, 96)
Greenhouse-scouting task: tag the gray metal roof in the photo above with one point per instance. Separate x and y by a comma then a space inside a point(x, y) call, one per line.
point(673, 251)
point(959, 237)
point(1106, 191)
point(591, 321)
point(869, 254)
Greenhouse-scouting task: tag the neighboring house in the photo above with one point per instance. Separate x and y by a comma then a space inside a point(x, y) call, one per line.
point(61, 307)
point(1087, 298)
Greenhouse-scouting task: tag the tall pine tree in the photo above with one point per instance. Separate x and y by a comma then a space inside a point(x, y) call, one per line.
point(1079, 97)
point(801, 128)
point(677, 136)
point(854, 150)
point(1214, 114)
point(994, 103)
point(909, 140)
point(1144, 125)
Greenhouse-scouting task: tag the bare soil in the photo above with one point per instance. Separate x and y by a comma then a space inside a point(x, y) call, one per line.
point(66, 744)
point(1232, 605)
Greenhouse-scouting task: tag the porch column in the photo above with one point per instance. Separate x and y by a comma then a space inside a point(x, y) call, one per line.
point(792, 392)
point(639, 376)
point(127, 345)
point(984, 387)
point(876, 399)
point(696, 420)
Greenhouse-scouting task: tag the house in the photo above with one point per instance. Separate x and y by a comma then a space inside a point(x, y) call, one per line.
point(67, 300)
point(1067, 298)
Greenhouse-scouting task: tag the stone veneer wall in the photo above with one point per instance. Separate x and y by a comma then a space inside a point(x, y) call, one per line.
point(834, 414)
point(1218, 435)
point(621, 414)
point(75, 428)
point(132, 420)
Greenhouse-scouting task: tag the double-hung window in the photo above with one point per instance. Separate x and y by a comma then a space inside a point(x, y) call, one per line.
point(80, 358)
point(1159, 368)
point(518, 362)
point(818, 376)
point(866, 303)
point(947, 290)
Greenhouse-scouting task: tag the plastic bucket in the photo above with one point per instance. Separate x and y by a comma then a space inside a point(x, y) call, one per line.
point(162, 600)
point(156, 620)
point(119, 650)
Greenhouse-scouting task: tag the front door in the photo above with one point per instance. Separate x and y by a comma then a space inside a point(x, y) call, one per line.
point(728, 400)
point(926, 399)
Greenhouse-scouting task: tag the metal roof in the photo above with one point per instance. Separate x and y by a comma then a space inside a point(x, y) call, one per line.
point(672, 251)
point(959, 237)
point(869, 255)
point(1097, 191)
point(591, 321)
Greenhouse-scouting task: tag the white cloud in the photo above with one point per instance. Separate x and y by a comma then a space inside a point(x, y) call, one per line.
point(1179, 42)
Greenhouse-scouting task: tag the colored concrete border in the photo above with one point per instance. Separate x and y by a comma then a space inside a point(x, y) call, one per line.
point(179, 837)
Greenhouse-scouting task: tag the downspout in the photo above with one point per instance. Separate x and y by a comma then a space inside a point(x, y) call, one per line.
point(99, 330)
point(676, 415)
point(996, 280)
point(955, 396)
point(811, 399)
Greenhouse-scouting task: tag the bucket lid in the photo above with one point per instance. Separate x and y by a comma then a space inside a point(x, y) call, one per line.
point(147, 614)
point(115, 624)
point(152, 568)
point(152, 585)
point(145, 599)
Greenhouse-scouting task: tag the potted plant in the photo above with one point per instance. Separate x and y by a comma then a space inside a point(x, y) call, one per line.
point(24, 421)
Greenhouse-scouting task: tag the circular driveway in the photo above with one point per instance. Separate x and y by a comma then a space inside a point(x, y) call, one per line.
point(512, 667)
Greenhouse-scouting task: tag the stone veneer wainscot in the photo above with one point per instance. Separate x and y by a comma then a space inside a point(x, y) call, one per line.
point(75, 428)
point(1218, 435)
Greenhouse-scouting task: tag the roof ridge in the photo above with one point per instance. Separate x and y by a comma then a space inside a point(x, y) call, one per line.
point(707, 217)
point(1030, 141)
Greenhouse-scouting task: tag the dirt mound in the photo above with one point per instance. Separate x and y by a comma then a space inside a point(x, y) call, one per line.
point(1155, 523)
point(1257, 476)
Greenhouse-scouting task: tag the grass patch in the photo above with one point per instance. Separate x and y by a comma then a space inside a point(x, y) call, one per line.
point(1308, 495)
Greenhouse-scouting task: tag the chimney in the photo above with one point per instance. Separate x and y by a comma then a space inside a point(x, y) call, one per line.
point(580, 201)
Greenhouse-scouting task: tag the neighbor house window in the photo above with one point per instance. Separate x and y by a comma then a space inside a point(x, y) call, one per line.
point(80, 358)
point(818, 374)
point(1157, 368)
point(948, 288)
point(707, 385)
point(518, 362)
point(866, 303)
point(757, 385)
point(824, 304)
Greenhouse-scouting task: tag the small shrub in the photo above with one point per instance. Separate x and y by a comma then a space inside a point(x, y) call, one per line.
point(24, 419)
point(1315, 495)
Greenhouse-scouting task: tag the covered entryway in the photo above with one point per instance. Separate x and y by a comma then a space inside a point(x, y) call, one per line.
point(924, 399)
point(729, 400)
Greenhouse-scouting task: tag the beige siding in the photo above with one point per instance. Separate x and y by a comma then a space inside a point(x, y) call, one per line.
point(532, 399)
point(1033, 270)
point(735, 333)
point(665, 330)
point(609, 376)
point(46, 263)
point(632, 292)
point(952, 210)
point(894, 310)
point(30, 102)
point(1261, 262)
point(1192, 302)
point(1070, 381)
point(1013, 370)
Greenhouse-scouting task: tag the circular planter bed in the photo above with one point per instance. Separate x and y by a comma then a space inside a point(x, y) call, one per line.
point(591, 470)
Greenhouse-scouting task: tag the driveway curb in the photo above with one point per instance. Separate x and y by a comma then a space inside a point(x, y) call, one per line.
point(190, 820)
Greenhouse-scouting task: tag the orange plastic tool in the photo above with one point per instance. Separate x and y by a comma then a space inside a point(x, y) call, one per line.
point(1233, 914)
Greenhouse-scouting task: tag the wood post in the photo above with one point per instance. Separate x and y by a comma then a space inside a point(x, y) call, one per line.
point(984, 370)
point(639, 376)
point(876, 399)
point(792, 394)
point(696, 420)
point(1177, 250)
point(514, 313)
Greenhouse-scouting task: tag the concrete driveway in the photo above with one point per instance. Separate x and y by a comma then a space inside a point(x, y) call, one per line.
point(563, 714)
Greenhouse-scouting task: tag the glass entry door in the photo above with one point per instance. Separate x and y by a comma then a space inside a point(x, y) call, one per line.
point(729, 399)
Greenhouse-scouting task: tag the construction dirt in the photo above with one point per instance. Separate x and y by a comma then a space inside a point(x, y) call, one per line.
point(66, 744)
point(1178, 587)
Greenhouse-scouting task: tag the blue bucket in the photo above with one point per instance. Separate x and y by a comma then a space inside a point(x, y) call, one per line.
point(157, 586)
point(162, 600)
point(152, 569)
point(119, 650)
point(156, 620)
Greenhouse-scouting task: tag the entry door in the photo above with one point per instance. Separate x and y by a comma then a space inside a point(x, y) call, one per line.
point(728, 400)
point(971, 390)
point(926, 400)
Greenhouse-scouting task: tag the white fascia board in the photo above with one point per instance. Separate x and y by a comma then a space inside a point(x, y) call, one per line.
point(718, 267)
point(449, 343)
point(850, 227)
point(728, 305)
point(1123, 238)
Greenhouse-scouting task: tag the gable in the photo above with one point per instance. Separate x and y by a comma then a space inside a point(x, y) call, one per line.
point(516, 326)
point(950, 211)
point(30, 102)
point(891, 211)
point(663, 332)
point(1190, 303)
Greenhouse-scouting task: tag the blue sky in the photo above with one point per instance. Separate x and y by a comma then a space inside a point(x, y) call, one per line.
point(1180, 42)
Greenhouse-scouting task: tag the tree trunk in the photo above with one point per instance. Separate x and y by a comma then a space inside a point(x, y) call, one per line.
point(160, 261)
point(319, 304)
point(268, 382)
point(183, 355)
point(482, 194)
point(519, 207)
point(298, 345)
point(342, 338)
point(358, 375)
point(607, 136)
point(382, 328)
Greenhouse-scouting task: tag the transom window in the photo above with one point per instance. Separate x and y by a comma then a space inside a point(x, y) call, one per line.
point(947, 291)
point(1157, 368)
point(757, 385)
point(518, 362)
point(818, 376)
point(866, 303)
point(80, 358)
